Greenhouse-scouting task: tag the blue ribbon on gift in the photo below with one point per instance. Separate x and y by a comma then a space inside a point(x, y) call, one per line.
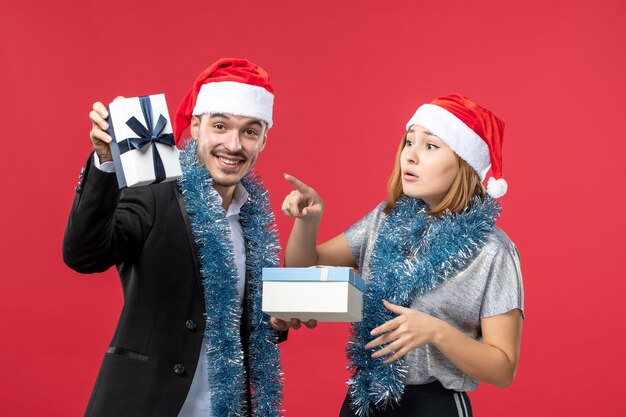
point(148, 135)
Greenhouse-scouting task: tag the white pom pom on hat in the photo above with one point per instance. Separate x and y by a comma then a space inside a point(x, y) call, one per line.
point(473, 132)
point(496, 187)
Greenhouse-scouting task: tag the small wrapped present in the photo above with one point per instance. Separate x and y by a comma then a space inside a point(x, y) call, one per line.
point(331, 294)
point(143, 147)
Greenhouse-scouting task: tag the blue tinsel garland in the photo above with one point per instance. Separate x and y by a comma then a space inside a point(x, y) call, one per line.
point(219, 280)
point(413, 253)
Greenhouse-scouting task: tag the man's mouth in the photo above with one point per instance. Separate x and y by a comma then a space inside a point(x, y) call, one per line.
point(230, 161)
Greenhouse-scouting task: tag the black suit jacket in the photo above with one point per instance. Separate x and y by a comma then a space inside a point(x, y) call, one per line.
point(144, 231)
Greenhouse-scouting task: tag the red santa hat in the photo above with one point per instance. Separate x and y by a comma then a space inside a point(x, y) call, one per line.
point(230, 85)
point(473, 132)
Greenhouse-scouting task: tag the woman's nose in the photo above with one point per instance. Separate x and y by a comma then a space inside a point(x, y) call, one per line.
point(411, 157)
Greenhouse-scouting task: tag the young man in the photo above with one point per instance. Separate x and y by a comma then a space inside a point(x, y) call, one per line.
point(191, 339)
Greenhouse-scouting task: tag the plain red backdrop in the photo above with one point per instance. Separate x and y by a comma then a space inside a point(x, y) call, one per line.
point(347, 76)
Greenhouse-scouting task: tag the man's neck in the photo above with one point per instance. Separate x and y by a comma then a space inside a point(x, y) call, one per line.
point(226, 193)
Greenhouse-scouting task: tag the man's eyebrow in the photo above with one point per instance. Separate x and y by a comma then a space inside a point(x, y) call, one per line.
point(225, 116)
point(255, 122)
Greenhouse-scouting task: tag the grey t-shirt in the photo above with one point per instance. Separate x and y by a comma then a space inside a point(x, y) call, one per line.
point(490, 285)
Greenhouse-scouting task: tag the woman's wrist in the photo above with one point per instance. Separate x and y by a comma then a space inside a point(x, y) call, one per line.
point(311, 224)
point(440, 331)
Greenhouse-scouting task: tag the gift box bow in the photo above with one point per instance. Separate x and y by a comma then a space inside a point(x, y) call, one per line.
point(148, 135)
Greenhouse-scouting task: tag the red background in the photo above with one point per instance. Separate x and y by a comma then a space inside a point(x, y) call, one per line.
point(347, 76)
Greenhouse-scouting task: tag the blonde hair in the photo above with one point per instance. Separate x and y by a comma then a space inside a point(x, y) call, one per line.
point(465, 186)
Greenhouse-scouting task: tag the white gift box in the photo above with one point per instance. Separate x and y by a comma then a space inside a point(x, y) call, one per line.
point(325, 294)
point(143, 146)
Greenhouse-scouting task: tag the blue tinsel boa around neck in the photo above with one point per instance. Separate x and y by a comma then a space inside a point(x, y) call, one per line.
point(413, 253)
point(218, 272)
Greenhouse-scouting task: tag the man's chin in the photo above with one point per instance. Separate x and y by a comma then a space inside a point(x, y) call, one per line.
point(226, 182)
point(224, 178)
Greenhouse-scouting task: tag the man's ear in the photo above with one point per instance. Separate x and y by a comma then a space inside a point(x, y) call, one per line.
point(263, 141)
point(195, 126)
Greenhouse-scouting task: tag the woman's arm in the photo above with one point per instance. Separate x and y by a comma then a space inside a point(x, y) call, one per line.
point(307, 207)
point(302, 250)
point(493, 361)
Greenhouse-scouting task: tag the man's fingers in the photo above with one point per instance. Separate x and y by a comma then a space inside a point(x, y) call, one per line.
point(278, 324)
point(100, 135)
point(97, 120)
point(311, 324)
point(295, 324)
point(101, 109)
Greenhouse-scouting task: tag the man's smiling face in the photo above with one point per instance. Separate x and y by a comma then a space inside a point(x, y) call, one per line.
point(228, 145)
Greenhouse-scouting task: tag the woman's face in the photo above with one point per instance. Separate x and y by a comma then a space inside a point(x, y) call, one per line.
point(428, 166)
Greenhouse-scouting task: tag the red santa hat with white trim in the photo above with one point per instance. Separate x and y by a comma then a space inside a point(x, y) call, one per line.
point(230, 85)
point(473, 132)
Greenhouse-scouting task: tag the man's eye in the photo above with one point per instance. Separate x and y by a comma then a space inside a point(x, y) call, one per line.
point(219, 126)
point(250, 132)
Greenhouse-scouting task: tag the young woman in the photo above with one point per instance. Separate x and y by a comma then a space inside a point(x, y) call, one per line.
point(444, 299)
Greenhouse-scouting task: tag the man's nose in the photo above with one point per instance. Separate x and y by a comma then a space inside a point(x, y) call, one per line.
point(233, 143)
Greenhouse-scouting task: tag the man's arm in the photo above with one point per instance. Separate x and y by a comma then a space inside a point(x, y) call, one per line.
point(105, 225)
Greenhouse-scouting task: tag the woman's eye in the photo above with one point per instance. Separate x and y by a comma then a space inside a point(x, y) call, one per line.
point(408, 142)
point(432, 146)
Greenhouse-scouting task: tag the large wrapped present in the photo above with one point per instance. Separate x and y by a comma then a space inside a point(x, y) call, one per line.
point(143, 146)
point(331, 294)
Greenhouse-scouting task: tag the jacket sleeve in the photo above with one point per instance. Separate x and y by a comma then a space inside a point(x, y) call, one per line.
point(106, 226)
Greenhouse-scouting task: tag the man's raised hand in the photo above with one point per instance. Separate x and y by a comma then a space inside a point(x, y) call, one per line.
point(99, 138)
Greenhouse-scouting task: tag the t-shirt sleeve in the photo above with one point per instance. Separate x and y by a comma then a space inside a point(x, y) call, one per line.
point(356, 235)
point(504, 291)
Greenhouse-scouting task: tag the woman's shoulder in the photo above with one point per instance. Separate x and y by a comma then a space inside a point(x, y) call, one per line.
point(374, 214)
point(500, 244)
point(368, 222)
point(498, 237)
